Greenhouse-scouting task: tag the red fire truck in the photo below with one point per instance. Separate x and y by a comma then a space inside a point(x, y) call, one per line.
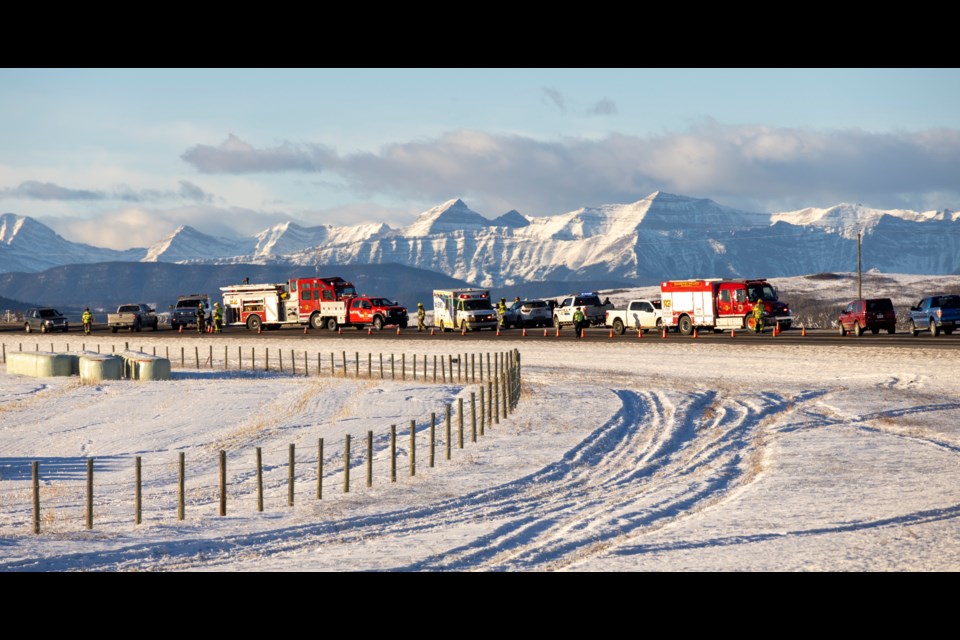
point(720, 304)
point(321, 302)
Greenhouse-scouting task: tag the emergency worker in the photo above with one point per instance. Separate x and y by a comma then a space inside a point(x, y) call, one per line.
point(217, 318)
point(201, 318)
point(758, 316)
point(87, 320)
point(578, 321)
point(421, 315)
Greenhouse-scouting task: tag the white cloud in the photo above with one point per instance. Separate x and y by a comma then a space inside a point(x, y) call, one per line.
point(234, 155)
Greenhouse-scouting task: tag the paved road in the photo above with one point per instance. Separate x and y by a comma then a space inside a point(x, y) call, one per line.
point(793, 336)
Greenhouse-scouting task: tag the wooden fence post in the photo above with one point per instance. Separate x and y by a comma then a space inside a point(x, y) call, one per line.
point(433, 426)
point(280, 359)
point(266, 359)
point(138, 495)
point(35, 477)
point(320, 469)
point(443, 370)
point(505, 411)
point(393, 453)
point(291, 473)
point(344, 354)
point(357, 364)
point(333, 367)
point(369, 365)
point(434, 368)
point(223, 482)
point(225, 357)
point(393, 371)
point(448, 431)
point(381, 365)
point(240, 358)
point(496, 401)
point(181, 488)
point(460, 423)
point(259, 480)
point(89, 493)
point(346, 464)
point(182, 360)
point(293, 362)
point(196, 355)
point(413, 448)
point(369, 458)
point(483, 407)
point(473, 416)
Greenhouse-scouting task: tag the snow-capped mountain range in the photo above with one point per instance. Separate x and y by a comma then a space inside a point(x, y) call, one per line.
point(660, 236)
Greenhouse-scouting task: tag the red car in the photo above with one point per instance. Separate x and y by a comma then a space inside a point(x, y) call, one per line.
point(874, 314)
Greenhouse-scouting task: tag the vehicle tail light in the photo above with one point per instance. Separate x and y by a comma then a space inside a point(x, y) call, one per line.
point(939, 312)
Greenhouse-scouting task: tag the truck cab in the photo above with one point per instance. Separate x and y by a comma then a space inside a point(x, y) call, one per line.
point(463, 309)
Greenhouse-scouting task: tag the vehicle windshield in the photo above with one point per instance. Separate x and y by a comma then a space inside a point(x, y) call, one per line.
point(382, 302)
point(49, 313)
point(534, 304)
point(476, 305)
point(764, 292)
point(348, 290)
point(189, 304)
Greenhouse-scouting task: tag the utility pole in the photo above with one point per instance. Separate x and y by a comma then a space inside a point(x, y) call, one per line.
point(859, 281)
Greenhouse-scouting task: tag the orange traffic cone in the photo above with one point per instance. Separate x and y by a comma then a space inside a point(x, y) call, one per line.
point(558, 332)
point(260, 328)
point(463, 331)
point(498, 330)
point(776, 329)
point(639, 334)
point(611, 333)
point(369, 331)
point(664, 333)
point(398, 329)
point(304, 329)
point(733, 333)
point(181, 328)
point(339, 331)
point(433, 332)
point(803, 331)
point(695, 332)
point(524, 334)
point(544, 333)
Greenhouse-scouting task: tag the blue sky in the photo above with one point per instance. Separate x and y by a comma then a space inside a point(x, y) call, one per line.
point(120, 158)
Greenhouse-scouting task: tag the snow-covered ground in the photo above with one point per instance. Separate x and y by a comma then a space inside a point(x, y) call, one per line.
point(622, 455)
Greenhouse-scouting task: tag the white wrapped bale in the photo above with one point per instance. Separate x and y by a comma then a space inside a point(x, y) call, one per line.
point(143, 366)
point(39, 364)
point(96, 367)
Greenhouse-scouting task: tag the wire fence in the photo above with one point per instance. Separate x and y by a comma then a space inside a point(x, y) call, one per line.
point(57, 495)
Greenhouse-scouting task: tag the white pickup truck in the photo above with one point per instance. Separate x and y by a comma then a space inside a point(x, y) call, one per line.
point(132, 316)
point(639, 314)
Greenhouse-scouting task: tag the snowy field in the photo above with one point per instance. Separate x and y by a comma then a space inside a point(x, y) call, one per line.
point(668, 455)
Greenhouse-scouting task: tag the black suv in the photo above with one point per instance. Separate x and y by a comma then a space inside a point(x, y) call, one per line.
point(44, 320)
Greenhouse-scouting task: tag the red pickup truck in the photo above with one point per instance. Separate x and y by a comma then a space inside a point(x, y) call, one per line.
point(377, 312)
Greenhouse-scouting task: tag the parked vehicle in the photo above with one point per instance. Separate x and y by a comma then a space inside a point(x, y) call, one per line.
point(376, 312)
point(184, 314)
point(639, 315)
point(873, 315)
point(589, 301)
point(718, 304)
point(317, 302)
point(44, 320)
point(937, 313)
point(463, 309)
point(132, 316)
point(528, 313)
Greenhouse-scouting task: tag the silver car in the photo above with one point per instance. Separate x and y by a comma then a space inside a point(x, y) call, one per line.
point(528, 313)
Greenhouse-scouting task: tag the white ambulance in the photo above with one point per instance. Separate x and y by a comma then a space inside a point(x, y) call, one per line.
point(463, 309)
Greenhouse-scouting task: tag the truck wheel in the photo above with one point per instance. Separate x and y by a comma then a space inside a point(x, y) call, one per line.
point(857, 329)
point(28, 328)
point(377, 323)
point(618, 327)
point(43, 328)
point(113, 329)
point(332, 324)
point(556, 322)
point(934, 329)
point(316, 322)
point(913, 329)
point(155, 322)
point(253, 323)
point(685, 325)
point(843, 332)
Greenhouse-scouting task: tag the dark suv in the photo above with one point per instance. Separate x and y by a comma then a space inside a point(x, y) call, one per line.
point(874, 314)
point(44, 320)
